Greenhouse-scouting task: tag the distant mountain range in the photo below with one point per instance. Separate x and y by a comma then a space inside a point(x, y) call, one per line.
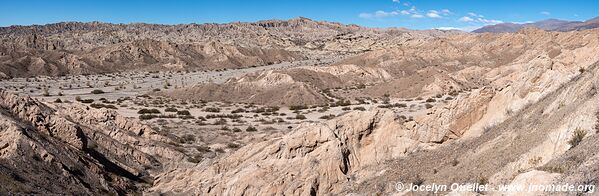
point(548, 25)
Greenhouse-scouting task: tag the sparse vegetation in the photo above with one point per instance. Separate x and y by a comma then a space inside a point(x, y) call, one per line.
point(212, 109)
point(300, 117)
point(170, 110)
point(97, 91)
point(428, 106)
point(326, 117)
point(360, 108)
point(183, 113)
point(577, 137)
point(99, 105)
point(251, 129)
point(148, 111)
point(298, 107)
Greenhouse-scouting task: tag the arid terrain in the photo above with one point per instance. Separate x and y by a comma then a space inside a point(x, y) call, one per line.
point(293, 107)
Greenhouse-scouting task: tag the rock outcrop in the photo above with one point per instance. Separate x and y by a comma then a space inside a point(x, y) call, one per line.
point(75, 150)
point(312, 159)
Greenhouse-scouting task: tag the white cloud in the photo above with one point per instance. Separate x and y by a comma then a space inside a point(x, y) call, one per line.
point(396, 1)
point(365, 15)
point(477, 18)
point(433, 14)
point(404, 12)
point(489, 21)
point(525, 22)
point(475, 15)
point(466, 19)
point(546, 13)
point(466, 28)
point(417, 16)
point(445, 12)
point(378, 14)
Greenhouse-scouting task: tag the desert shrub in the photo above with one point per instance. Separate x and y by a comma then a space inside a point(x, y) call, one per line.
point(148, 111)
point(97, 91)
point(99, 105)
point(428, 106)
point(170, 110)
point(300, 117)
point(195, 158)
point(323, 109)
point(360, 108)
point(238, 110)
point(183, 112)
point(251, 129)
point(343, 103)
point(221, 121)
point(230, 116)
point(455, 162)
point(203, 148)
point(577, 137)
point(58, 100)
point(430, 100)
point(233, 145)
point(186, 117)
point(86, 100)
point(298, 107)
point(454, 93)
point(45, 92)
point(236, 129)
point(147, 116)
point(346, 108)
point(212, 109)
point(219, 150)
point(417, 181)
point(395, 105)
point(326, 117)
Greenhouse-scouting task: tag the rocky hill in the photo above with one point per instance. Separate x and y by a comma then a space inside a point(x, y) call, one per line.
point(87, 48)
point(517, 128)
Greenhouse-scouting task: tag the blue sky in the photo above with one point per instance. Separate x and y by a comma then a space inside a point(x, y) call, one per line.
point(413, 14)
